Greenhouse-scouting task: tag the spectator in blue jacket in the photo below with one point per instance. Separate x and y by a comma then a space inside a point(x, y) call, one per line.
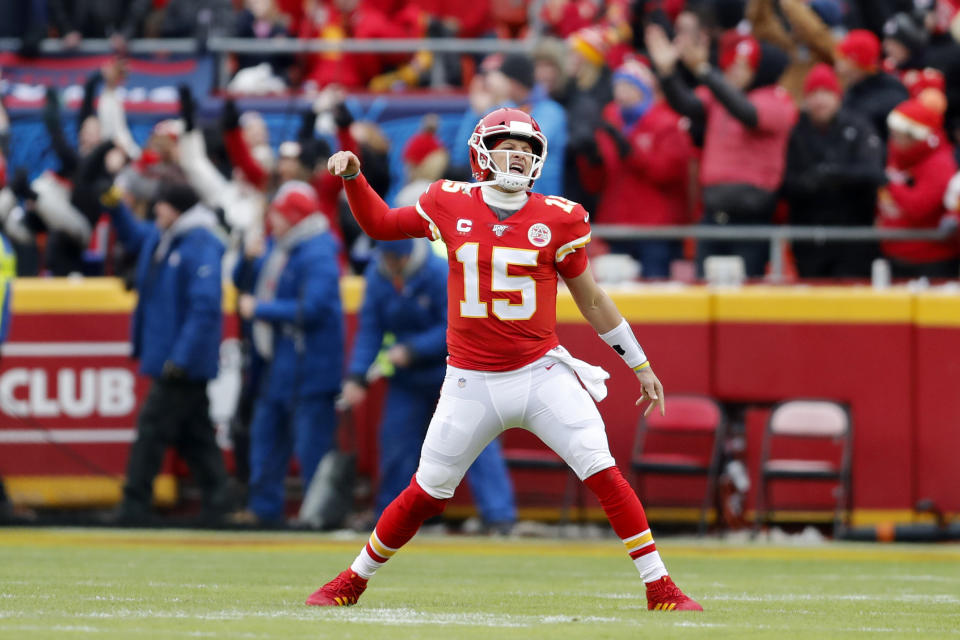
point(511, 84)
point(298, 331)
point(402, 335)
point(176, 332)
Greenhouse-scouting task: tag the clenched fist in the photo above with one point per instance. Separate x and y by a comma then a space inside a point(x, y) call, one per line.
point(343, 163)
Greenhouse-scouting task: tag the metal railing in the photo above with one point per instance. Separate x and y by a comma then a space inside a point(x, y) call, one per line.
point(776, 235)
point(281, 45)
point(222, 47)
point(99, 46)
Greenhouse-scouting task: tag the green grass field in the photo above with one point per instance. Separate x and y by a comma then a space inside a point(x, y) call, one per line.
point(189, 584)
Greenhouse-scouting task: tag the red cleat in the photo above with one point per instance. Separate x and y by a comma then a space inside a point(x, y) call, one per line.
point(663, 595)
point(342, 591)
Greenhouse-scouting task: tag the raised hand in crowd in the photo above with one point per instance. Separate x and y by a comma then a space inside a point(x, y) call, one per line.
point(187, 108)
point(695, 53)
point(230, 116)
point(663, 53)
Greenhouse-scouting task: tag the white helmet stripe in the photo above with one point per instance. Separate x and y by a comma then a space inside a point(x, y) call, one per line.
point(521, 127)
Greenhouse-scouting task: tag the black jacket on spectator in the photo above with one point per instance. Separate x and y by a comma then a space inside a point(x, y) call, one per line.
point(99, 18)
point(944, 54)
point(873, 98)
point(584, 115)
point(831, 180)
point(735, 203)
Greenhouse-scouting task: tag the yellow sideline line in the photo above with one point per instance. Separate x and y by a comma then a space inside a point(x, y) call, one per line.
point(459, 545)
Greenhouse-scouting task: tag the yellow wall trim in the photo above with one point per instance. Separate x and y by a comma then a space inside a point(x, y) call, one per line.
point(813, 304)
point(639, 304)
point(651, 305)
point(66, 295)
point(81, 491)
point(937, 309)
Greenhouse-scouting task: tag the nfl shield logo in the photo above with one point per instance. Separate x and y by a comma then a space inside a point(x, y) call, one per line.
point(499, 229)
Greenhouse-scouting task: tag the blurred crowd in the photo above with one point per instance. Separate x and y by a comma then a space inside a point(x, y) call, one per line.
point(723, 112)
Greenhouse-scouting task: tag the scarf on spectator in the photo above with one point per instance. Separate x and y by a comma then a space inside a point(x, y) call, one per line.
point(196, 217)
point(266, 287)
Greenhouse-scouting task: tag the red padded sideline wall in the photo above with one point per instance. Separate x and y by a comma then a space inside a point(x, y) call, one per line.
point(852, 345)
point(937, 392)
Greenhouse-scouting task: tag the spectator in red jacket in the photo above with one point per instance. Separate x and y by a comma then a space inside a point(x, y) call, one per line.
point(747, 121)
point(642, 155)
point(920, 164)
point(460, 18)
point(345, 19)
point(563, 17)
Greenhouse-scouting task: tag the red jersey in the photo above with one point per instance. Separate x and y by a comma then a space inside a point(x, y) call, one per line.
point(502, 287)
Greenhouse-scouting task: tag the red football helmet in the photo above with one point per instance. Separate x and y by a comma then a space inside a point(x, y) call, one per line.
point(496, 126)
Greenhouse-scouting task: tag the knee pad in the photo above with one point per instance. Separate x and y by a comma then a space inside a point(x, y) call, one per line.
point(437, 479)
point(421, 504)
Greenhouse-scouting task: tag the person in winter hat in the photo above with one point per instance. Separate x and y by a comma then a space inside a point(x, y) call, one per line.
point(870, 92)
point(920, 164)
point(641, 153)
point(905, 43)
point(834, 167)
point(298, 331)
point(425, 159)
point(746, 119)
point(175, 329)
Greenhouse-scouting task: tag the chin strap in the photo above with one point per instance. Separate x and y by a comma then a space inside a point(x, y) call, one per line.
point(471, 185)
point(494, 183)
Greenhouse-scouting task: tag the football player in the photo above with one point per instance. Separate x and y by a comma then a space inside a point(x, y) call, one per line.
point(506, 368)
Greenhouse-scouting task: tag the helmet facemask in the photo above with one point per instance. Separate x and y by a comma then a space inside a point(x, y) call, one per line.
point(503, 176)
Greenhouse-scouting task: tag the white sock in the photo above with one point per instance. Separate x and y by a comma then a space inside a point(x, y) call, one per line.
point(365, 566)
point(366, 563)
point(650, 566)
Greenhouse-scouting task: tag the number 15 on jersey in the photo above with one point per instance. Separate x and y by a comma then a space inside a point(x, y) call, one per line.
point(473, 306)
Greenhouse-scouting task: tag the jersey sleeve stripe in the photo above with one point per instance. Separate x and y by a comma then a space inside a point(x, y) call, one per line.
point(572, 246)
point(434, 230)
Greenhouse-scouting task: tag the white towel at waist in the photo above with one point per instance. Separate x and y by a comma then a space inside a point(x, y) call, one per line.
point(592, 376)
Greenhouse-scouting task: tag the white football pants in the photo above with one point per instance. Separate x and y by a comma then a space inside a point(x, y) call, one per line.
point(544, 397)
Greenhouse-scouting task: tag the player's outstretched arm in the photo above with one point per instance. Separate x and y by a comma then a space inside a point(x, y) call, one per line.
point(377, 220)
point(601, 312)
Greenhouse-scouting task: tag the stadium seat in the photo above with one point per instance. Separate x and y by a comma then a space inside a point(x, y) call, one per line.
point(523, 451)
point(688, 440)
point(807, 440)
